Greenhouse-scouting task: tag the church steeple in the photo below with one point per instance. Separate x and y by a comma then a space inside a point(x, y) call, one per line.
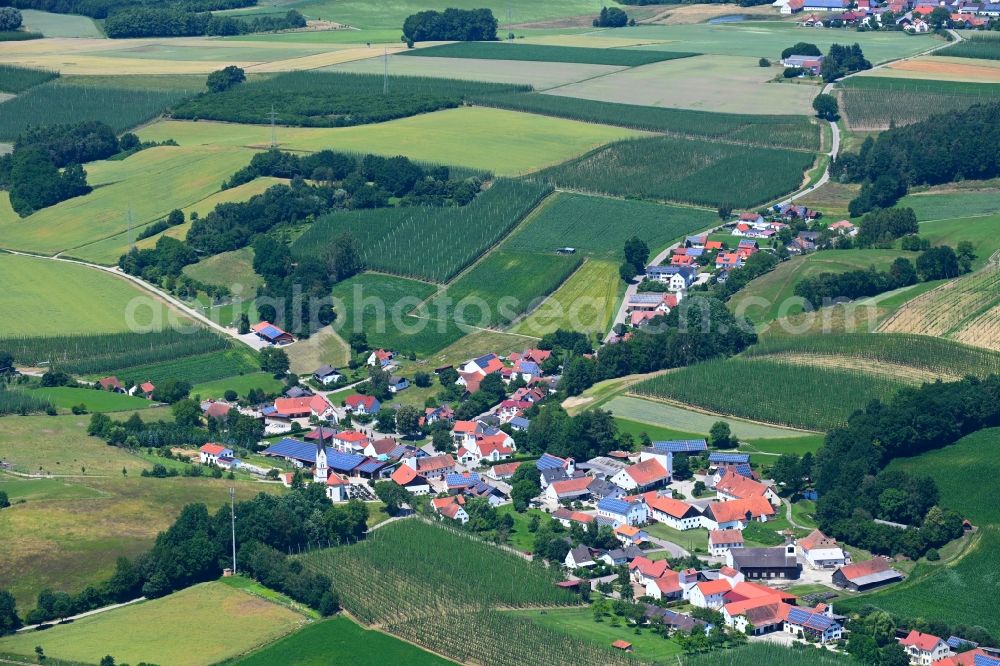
point(321, 472)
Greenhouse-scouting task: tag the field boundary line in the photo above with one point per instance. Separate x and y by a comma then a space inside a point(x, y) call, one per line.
point(78, 616)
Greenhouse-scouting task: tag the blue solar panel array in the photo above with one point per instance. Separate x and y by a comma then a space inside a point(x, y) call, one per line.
point(548, 461)
point(370, 466)
point(462, 480)
point(985, 660)
point(729, 458)
point(682, 445)
point(270, 332)
point(293, 448)
point(343, 462)
point(614, 505)
point(743, 469)
point(956, 641)
point(809, 620)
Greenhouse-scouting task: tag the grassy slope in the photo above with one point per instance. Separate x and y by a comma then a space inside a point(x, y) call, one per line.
point(229, 269)
point(240, 383)
point(527, 142)
point(221, 620)
point(313, 646)
point(777, 287)
point(586, 302)
point(42, 297)
point(96, 401)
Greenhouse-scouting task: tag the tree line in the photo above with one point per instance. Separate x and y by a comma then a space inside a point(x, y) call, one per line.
point(942, 149)
point(198, 546)
point(100, 9)
point(853, 482)
point(176, 21)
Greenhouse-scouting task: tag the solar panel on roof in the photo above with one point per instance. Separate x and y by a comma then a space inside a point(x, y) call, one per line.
point(370, 466)
point(293, 448)
point(682, 445)
point(343, 462)
point(548, 461)
point(728, 458)
point(985, 660)
point(809, 620)
point(743, 469)
point(461, 479)
point(613, 505)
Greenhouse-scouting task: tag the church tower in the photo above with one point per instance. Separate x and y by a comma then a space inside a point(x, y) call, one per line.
point(321, 471)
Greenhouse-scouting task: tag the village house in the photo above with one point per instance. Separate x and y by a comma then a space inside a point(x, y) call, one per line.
point(271, 334)
point(302, 408)
point(580, 557)
point(431, 467)
point(362, 405)
point(407, 477)
point(666, 586)
point(143, 390)
point(209, 454)
point(642, 569)
point(350, 441)
point(642, 476)
point(397, 384)
point(567, 517)
point(924, 649)
point(721, 541)
point(812, 624)
point(451, 508)
point(709, 594)
point(623, 512)
point(554, 468)
point(735, 486)
point(677, 278)
point(503, 471)
point(811, 64)
point(779, 562)
point(651, 302)
point(822, 552)
point(617, 557)
point(474, 371)
point(326, 375)
point(862, 576)
point(630, 535)
point(735, 514)
point(381, 358)
point(111, 384)
point(568, 490)
point(844, 228)
point(672, 513)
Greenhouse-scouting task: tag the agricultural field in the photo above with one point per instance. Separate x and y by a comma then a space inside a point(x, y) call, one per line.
point(68, 538)
point(380, 306)
point(150, 184)
point(815, 398)
point(766, 39)
point(831, 197)
point(586, 302)
point(781, 131)
point(581, 222)
point(60, 25)
point(43, 297)
point(529, 142)
point(961, 592)
point(502, 286)
point(545, 53)
point(314, 644)
point(322, 348)
point(156, 628)
point(327, 99)
point(540, 75)
point(953, 466)
point(431, 243)
point(771, 296)
point(943, 68)
point(16, 80)
point(58, 102)
point(579, 623)
point(64, 398)
point(684, 170)
point(679, 421)
point(229, 269)
point(501, 343)
point(981, 231)
point(729, 84)
point(242, 384)
point(934, 204)
point(195, 369)
point(965, 309)
point(876, 103)
point(108, 251)
point(934, 355)
point(983, 45)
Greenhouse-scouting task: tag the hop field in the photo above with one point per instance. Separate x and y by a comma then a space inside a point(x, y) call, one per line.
point(425, 242)
point(981, 45)
point(546, 53)
point(685, 170)
point(599, 227)
point(194, 369)
point(769, 131)
point(54, 102)
point(14, 79)
point(933, 354)
point(816, 398)
point(875, 103)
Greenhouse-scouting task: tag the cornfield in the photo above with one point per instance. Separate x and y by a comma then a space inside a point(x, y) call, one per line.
point(15, 79)
point(966, 309)
point(985, 46)
point(873, 103)
point(54, 102)
point(195, 369)
point(815, 398)
point(91, 354)
point(919, 351)
point(768, 131)
point(685, 170)
point(439, 587)
point(427, 242)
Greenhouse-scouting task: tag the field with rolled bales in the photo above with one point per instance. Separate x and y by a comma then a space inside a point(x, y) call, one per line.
point(503, 142)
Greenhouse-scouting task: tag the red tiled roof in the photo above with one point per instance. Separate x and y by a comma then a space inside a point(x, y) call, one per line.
point(432, 463)
point(506, 468)
point(866, 568)
point(648, 567)
point(572, 485)
point(710, 587)
point(213, 449)
point(404, 474)
point(351, 436)
point(669, 582)
point(667, 505)
point(621, 645)
point(312, 403)
point(728, 571)
point(147, 387)
point(441, 502)
point(464, 427)
point(817, 539)
point(450, 511)
point(967, 658)
point(713, 245)
point(921, 641)
point(647, 472)
point(737, 509)
point(739, 486)
point(334, 480)
point(384, 446)
point(356, 400)
point(725, 536)
point(217, 410)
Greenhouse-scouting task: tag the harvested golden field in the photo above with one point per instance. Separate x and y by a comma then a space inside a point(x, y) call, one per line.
point(945, 68)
